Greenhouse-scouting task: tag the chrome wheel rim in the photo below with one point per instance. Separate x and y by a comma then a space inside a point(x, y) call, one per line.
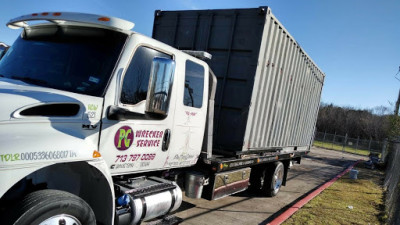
point(278, 177)
point(62, 219)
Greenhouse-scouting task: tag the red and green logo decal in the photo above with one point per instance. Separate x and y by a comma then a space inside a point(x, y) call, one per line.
point(123, 138)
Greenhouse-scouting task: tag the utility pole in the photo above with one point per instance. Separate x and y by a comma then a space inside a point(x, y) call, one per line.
point(396, 109)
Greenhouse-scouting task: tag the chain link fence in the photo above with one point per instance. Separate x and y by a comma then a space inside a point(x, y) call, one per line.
point(392, 184)
point(348, 144)
point(364, 147)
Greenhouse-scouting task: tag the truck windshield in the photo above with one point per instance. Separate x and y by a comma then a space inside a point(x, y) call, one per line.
point(76, 59)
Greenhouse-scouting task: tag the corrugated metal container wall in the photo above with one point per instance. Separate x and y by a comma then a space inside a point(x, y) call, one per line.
point(268, 89)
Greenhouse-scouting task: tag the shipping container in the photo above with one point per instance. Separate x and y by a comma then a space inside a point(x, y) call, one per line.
point(268, 90)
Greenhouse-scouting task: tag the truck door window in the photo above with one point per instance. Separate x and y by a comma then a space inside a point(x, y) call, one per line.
point(194, 84)
point(136, 80)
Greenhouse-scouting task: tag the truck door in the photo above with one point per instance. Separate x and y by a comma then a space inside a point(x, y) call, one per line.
point(190, 115)
point(132, 139)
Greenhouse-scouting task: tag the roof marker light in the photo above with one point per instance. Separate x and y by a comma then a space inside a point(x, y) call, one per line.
point(66, 17)
point(105, 19)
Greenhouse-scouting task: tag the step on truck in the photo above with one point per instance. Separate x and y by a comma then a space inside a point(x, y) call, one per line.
point(102, 125)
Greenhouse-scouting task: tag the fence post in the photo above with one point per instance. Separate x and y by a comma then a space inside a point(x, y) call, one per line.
point(358, 139)
point(384, 147)
point(369, 145)
point(324, 139)
point(333, 141)
point(344, 143)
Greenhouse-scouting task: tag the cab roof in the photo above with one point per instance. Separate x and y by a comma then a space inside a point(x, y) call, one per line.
point(64, 18)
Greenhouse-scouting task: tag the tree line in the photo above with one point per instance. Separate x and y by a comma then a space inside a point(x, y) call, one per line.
point(372, 123)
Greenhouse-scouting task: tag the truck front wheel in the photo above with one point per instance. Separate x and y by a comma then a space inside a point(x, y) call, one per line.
point(53, 207)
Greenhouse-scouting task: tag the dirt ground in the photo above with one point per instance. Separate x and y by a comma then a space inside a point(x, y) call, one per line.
point(245, 208)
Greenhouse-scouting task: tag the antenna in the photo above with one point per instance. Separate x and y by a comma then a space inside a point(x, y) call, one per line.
point(397, 106)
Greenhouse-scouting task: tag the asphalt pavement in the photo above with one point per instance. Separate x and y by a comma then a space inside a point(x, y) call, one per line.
point(247, 208)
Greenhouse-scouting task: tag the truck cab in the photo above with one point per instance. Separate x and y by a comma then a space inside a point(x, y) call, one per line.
point(154, 109)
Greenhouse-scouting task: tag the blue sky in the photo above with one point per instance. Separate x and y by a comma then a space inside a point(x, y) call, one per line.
point(355, 42)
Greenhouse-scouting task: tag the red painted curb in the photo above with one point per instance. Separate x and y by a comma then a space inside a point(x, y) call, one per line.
point(289, 212)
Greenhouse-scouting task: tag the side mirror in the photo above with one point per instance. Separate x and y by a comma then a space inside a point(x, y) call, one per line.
point(160, 86)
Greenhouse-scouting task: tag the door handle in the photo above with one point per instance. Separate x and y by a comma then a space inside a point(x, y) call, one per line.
point(166, 139)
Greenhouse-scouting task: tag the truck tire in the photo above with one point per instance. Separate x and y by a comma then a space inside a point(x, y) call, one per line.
point(273, 179)
point(53, 207)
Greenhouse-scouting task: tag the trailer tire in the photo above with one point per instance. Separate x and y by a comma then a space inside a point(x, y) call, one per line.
point(52, 207)
point(273, 179)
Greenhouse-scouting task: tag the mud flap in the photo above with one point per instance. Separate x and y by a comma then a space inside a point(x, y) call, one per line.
point(286, 164)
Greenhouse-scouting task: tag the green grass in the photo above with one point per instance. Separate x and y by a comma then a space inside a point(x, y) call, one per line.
point(340, 148)
point(332, 206)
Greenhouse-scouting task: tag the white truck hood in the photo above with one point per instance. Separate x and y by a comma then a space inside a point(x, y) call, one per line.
point(33, 128)
point(16, 96)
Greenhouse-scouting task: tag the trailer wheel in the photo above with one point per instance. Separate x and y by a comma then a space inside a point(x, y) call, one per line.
point(53, 207)
point(273, 179)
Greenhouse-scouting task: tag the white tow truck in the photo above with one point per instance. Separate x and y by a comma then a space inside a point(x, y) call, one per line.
point(103, 125)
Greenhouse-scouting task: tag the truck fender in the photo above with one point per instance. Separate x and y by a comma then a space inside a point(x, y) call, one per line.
point(90, 180)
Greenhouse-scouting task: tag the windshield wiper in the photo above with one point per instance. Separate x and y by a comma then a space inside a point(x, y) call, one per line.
point(30, 80)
